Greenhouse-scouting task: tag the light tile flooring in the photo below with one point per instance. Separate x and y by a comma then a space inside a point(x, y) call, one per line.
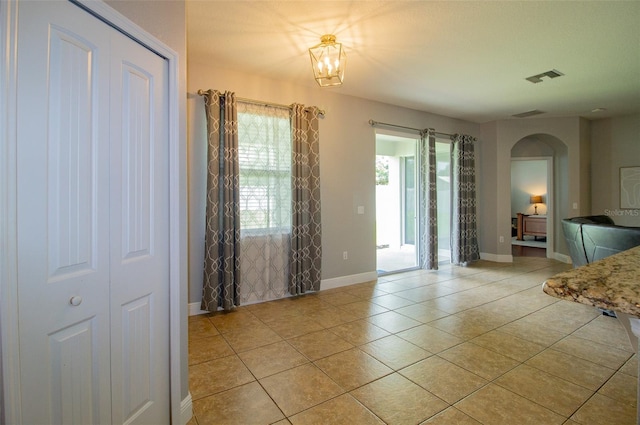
point(475, 345)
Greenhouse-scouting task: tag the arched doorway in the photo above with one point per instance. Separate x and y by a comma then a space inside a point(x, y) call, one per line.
point(539, 169)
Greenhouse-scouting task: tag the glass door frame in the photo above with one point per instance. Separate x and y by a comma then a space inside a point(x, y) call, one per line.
point(446, 216)
point(390, 137)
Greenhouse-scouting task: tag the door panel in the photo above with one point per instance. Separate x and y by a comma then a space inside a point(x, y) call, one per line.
point(136, 162)
point(62, 210)
point(136, 374)
point(73, 367)
point(92, 170)
point(71, 177)
point(443, 186)
point(140, 234)
point(409, 200)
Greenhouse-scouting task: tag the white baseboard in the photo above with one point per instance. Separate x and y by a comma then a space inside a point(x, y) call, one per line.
point(498, 258)
point(561, 257)
point(509, 258)
point(338, 282)
point(194, 309)
point(186, 410)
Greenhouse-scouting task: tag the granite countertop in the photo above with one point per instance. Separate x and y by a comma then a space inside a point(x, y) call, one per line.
point(611, 283)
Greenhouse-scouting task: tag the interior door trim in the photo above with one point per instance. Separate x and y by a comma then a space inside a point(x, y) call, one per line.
point(9, 369)
point(550, 199)
point(10, 366)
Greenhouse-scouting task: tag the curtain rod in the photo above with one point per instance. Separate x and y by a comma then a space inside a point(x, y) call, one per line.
point(437, 133)
point(258, 102)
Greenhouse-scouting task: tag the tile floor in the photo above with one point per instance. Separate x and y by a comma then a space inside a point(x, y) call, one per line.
point(475, 345)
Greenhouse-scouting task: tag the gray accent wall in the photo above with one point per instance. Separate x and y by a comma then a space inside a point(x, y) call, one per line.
point(528, 178)
point(347, 150)
point(615, 143)
point(566, 137)
point(347, 156)
point(586, 162)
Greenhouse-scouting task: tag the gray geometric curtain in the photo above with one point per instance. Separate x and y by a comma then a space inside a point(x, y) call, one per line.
point(464, 233)
point(222, 237)
point(428, 211)
point(306, 250)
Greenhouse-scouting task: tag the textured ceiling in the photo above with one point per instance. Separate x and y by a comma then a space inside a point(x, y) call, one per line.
point(466, 60)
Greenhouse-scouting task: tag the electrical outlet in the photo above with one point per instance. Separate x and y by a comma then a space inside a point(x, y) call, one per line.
point(501, 239)
point(345, 255)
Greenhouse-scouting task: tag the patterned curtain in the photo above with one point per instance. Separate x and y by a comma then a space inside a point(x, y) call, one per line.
point(428, 211)
point(222, 238)
point(464, 233)
point(264, 150)
point(306, 251)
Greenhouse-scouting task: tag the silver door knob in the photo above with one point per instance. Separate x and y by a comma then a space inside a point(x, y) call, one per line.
point(75, 301)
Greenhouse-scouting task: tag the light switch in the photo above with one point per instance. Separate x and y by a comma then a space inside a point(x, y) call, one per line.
point(360, 209)
point(575, 205)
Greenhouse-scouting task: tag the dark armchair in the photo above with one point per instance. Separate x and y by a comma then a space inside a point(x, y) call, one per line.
point(595, 237)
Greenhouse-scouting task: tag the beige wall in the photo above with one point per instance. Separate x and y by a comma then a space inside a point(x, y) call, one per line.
point(166, 20)
point(615, 143)
point(495, 205)
point(348, 152)
point(347, 155)
point(528, 177)
point(486, 185)
point(347, 172)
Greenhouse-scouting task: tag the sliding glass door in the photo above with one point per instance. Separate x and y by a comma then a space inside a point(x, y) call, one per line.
point(409, 204)
point(443, 187)
point(396, 207)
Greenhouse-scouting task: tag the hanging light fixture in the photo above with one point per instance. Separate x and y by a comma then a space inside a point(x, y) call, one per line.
point(328, 60)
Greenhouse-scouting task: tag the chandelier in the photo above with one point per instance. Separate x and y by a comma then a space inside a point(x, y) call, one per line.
point(328, 61)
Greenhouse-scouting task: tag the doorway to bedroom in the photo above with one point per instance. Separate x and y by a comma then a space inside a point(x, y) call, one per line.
point(530, 201)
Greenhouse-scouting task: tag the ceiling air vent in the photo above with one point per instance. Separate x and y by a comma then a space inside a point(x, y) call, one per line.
point(535, 79)
point(528, 113)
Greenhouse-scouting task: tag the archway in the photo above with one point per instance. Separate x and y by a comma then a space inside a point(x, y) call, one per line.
point(535, 154)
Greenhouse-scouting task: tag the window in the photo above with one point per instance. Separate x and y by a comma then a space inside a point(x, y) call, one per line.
point(264, 155)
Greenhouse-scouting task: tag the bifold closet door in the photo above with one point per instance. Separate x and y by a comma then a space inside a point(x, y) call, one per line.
point(139, 223)
point(92, 169)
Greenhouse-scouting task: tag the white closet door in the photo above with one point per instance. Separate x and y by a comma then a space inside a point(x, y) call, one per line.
point(63, 215)
point(92, 221)
point(140, 234)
